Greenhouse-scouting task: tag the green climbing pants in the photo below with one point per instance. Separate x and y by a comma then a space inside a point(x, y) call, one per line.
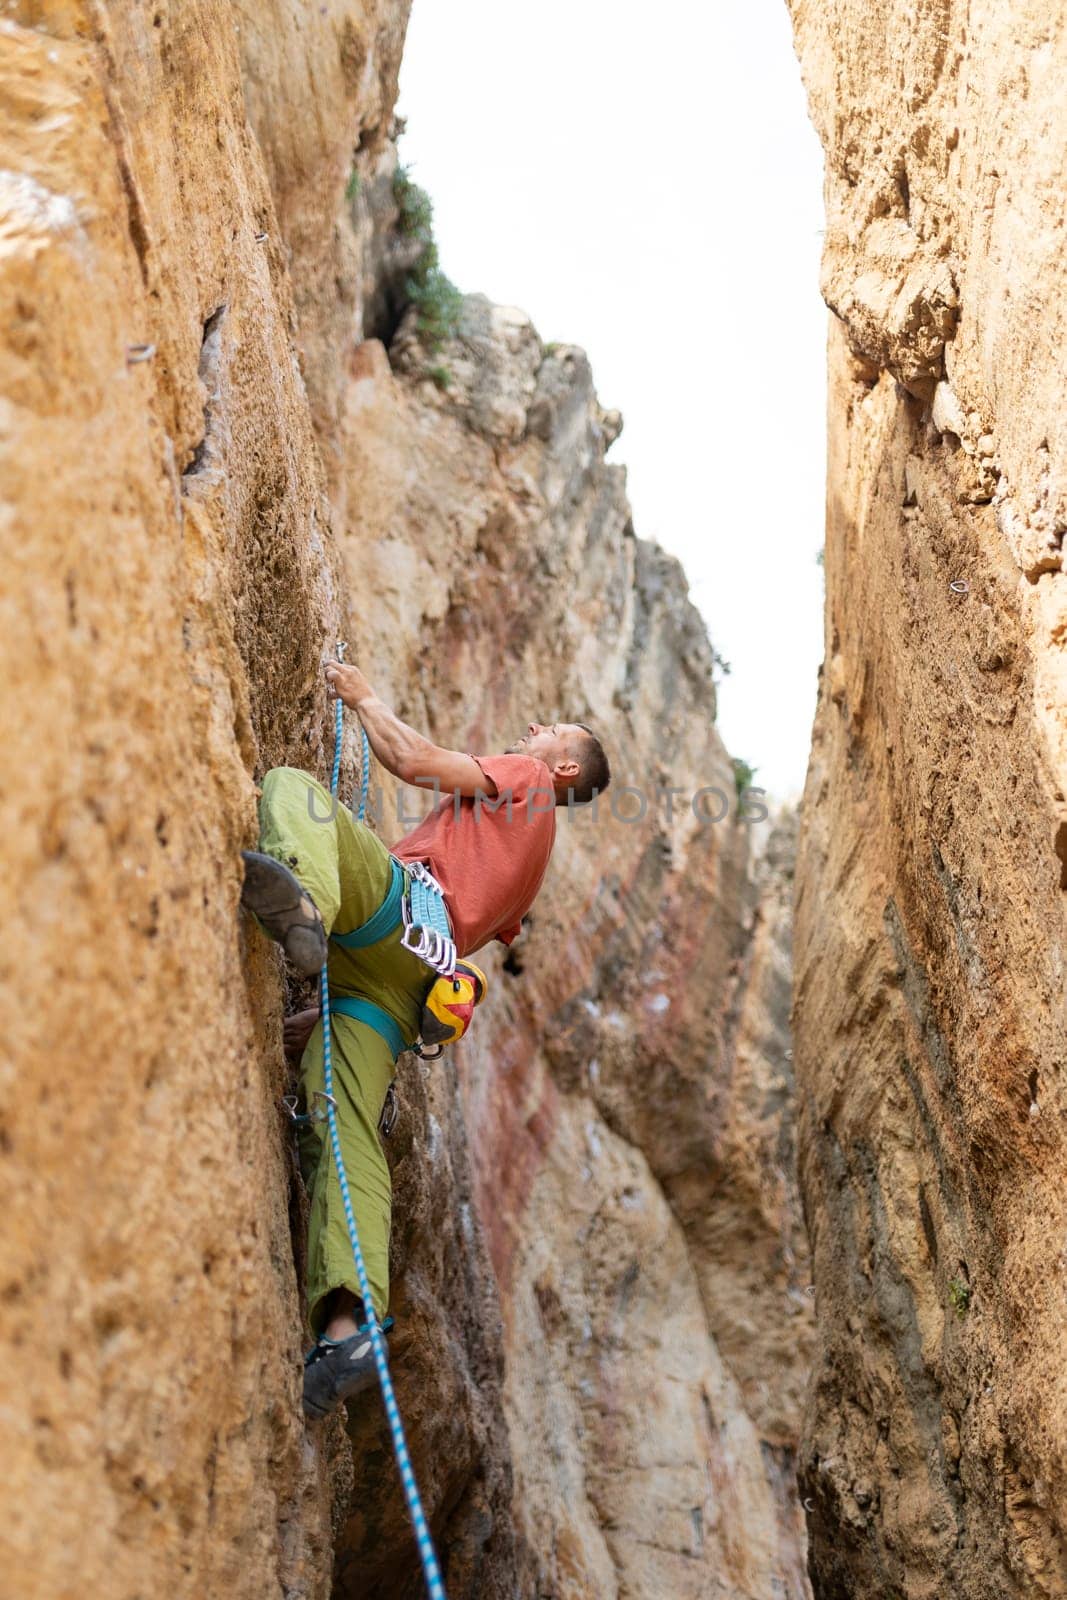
point(345, 868)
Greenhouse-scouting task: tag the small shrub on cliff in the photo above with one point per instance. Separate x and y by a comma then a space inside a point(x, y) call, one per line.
point(960, 1295)
point(415, 207)
point(743, 775)
point(435, 297)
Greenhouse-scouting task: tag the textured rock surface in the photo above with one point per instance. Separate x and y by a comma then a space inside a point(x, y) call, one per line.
point(930, 913)
point(628, 1094)
point(602, 1333)
point(320, 85)
point(163, 524)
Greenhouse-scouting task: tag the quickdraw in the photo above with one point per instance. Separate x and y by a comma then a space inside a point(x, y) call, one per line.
point(427, 929)
point(303, 1118)
point(390, 1110)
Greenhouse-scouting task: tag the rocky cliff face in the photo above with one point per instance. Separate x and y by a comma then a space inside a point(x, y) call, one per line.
point(930, 908)
point(627, 1105)
point(210, 474)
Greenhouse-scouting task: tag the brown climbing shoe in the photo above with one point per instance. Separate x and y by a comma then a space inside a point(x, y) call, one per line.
point(285, 910)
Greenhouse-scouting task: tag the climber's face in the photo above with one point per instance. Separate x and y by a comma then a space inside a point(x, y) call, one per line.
point(553, 743)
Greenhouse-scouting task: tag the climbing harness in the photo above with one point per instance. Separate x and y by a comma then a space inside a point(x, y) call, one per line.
point(431, 1571)
point(416, 901)
point(384, 920)
point(360, 1010)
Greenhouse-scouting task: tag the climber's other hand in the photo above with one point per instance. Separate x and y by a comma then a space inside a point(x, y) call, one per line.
point(348, 683)
point(297, 1030)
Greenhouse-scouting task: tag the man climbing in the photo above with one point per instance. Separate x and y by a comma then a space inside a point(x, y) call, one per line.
point(323, 885)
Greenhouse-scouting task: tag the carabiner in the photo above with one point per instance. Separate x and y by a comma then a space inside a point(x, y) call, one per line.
point(390, 1111)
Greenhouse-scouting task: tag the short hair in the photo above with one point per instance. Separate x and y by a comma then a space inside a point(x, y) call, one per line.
point(595, 774)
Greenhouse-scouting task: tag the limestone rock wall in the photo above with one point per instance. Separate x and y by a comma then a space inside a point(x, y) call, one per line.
point(208, 474)
point(930, 913)
point(628, 1094)
point(168, 587)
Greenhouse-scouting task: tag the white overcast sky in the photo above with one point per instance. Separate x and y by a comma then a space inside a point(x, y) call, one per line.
point(645, 183)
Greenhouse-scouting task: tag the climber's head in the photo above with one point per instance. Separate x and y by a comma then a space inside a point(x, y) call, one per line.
point(572, 753)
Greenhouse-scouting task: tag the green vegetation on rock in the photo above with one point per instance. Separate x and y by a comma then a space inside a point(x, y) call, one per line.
point(435, 297)
point(743, 775)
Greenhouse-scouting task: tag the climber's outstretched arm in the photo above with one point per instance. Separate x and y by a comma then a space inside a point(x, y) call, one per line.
point(403, 752)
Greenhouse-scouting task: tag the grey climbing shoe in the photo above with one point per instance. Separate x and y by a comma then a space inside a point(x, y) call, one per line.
point(339, 1369)
point(287, 912)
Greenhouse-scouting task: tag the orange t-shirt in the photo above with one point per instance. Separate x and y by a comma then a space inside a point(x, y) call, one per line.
point(489, 855)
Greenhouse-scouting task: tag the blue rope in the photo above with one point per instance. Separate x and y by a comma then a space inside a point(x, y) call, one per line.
point(431, 1571)
point(338, 732)
point(364, 776)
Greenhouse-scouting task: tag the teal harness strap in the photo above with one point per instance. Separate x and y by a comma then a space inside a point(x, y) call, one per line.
point(384, 920)
point(366, 1011)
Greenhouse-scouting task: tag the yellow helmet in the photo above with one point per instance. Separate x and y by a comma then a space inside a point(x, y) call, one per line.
point(449, 1006)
